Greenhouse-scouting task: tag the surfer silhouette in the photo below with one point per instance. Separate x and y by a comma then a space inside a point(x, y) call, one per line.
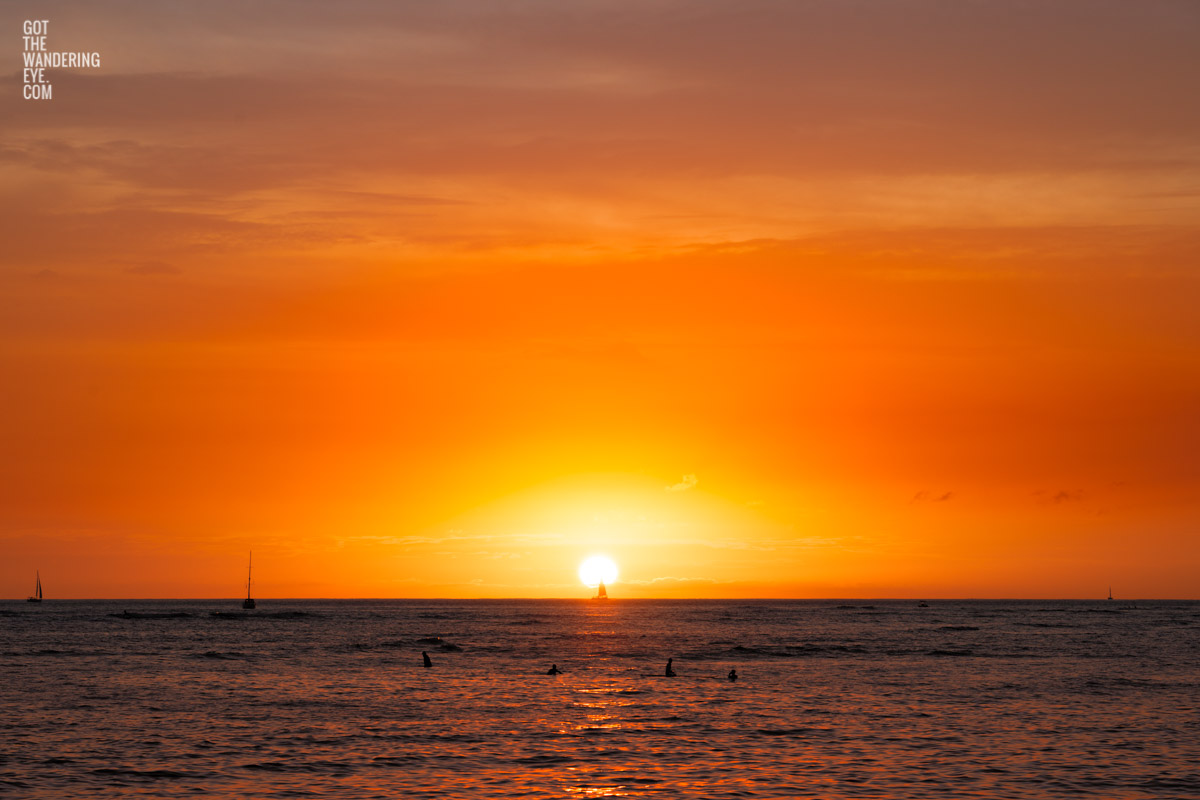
point(670, 673)
point(425, 656)
point(733, 674)
point(554, 670)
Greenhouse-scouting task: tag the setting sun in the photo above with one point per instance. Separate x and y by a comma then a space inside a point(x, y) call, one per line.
point(597, 569)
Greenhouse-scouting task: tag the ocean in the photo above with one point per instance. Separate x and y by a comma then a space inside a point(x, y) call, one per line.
point(835, 699)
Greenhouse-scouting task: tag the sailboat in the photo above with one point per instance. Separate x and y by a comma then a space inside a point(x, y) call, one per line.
point(1110, 593)
point(37, 596)
point(601, 593)
point(249, 601)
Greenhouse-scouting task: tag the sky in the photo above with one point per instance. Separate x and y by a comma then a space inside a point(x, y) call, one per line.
point(759, 299)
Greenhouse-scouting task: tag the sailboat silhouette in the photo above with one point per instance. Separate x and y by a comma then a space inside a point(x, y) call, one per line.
point(36, 597)
point(601, 593)
point(249, 601)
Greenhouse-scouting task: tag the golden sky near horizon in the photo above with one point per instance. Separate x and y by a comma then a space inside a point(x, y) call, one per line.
point(759, 299)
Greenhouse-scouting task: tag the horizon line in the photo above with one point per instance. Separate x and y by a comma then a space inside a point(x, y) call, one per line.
point(618, 599)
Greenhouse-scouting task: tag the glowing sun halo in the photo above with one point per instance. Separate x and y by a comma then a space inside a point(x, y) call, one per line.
point(595, 569)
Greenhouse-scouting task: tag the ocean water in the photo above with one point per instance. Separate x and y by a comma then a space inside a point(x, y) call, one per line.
point(836, 699)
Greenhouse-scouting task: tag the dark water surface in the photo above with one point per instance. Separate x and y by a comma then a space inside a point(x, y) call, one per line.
point(837, 699)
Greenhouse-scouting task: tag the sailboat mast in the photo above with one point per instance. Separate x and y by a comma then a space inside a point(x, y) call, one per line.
point(39, 585)
point(249, 567)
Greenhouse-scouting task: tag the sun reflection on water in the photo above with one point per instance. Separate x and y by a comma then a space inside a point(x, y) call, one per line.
point(598, 791)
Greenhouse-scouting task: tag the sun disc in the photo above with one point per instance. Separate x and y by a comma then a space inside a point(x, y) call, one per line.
point(596, 570)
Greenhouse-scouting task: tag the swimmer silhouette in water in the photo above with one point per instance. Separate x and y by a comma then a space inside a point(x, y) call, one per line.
point(733, 674)
point(425, 656)
point(554, 670)
point(670, 673)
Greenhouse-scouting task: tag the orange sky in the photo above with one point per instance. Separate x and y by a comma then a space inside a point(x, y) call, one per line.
point(759, 299)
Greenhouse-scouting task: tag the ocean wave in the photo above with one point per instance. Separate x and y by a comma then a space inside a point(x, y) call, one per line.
point(428, 641)
point(776, 651)
point(630, 654)
point(213, 654)
point(543, 760)
point(395, 644)
point(146, 774)
point(261, 614)
point(153, 615)
point(795, 731)
point(320, 767)
point(1152, 683)
point(400, 761)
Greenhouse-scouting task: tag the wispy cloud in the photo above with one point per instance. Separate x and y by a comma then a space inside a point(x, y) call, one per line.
point(688, 482)
point(668, 580)
point(1047, 497)
point(528, 539)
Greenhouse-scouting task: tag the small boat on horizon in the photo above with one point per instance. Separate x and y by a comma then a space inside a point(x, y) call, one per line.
point(1110, 593)
point(601, 593)
point(36, 597)
point(249, 601)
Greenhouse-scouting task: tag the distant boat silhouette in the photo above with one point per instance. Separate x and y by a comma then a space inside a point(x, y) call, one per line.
point(1110, 593)
point(601, 593)
point(37, 596)
point(249, 601)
